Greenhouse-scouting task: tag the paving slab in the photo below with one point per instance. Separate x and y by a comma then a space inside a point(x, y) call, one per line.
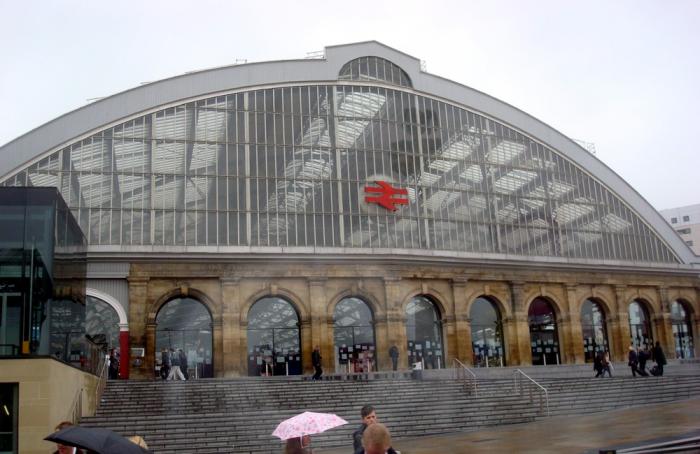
point(570, 434)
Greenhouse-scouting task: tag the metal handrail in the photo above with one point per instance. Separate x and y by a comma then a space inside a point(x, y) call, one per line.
point(101, 382)
point(470, 384)
point(76, 410)
point(517, 381)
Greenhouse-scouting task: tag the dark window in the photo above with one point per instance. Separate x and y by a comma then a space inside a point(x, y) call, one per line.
point(683, 231)
point(674, 220)
point(689, 242)
point(686, 218)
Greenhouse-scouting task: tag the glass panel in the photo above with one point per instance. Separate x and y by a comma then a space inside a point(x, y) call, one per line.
point(274, 342)
point(544, 340)
point(185, 324)
point(681, 324)
point(640, 326)
point(487, 334)
point(593, 329)
point(424, 333)
point(102, 323)
point(354, 336)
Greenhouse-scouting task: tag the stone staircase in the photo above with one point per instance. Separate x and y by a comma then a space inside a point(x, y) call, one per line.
point(238, 415)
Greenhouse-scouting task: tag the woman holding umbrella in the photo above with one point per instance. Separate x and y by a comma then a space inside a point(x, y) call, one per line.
point(300, 445)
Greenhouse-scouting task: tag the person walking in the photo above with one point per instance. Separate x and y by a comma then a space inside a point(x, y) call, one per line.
point(633, 360)
point(165, 363)
point(598, 364)
point(113, 364)
point(183, 364)
point(369, 418)
point(607, 365)
point(316, 361)
point(643, 356)
point(377, 440)
point(394, 354)
point(659, 358)
point(175, 372)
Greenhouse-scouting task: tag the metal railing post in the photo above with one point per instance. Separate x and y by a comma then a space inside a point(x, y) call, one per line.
point(518, 376)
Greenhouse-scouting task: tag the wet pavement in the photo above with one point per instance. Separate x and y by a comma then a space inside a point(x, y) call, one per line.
point(568, 434)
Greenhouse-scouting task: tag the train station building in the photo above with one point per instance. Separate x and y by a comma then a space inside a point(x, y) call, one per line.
point(248, 213)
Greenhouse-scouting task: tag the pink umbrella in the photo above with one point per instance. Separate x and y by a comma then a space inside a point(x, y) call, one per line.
point(307, 423)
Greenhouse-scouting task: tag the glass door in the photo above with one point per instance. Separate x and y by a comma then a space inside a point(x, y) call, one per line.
point(10, 323)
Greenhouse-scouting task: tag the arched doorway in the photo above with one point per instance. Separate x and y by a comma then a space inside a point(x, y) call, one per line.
point(682, 330)
point(274, 342)
point(353, 336)
point(593, 329)
point(101, 323)
point(487, 333)
point(640, 325)
point(544, 339)
point(185, 323)
point(424, 333)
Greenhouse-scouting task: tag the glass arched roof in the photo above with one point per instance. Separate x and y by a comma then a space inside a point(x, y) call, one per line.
point(374, 69)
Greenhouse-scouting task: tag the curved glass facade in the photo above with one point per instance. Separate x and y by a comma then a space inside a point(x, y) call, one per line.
point(288, 167)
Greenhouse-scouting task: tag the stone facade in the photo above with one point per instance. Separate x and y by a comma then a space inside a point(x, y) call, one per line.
point(229, 290)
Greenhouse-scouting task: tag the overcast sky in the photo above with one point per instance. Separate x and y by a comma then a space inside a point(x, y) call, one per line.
point(624, 75)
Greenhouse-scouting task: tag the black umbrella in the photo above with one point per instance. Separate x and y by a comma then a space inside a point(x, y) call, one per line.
point(102, 441)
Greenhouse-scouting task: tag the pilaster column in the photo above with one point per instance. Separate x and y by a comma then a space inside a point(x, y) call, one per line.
point(620, 325)
point(234, 346)
point(307, 346)
point(218, 347)
point(517, 328)
point(573, 340)
point(139, 336)
point(696, 335)
point(392, 330)
point(663, 324)
point(450, 340)
point(319, 322)
point(462, 349)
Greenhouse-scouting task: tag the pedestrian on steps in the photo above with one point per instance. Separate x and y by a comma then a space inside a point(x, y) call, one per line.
point(598, 364)
point(175, 372)
point(659, 359)
point(316, 361)
point(165, 363)
point(633, 361)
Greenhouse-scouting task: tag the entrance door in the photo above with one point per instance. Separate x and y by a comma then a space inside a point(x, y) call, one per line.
point(10, 323)
point(544, 340)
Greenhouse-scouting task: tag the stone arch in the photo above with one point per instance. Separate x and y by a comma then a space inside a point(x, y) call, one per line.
point(435, 296)
point(179, 292)
point(502, 308)
point(687, 305)
point(601, 301)
point(645, 304)
point(289, 296)
point(365, 296)
point(547, 297)
point(116, 305)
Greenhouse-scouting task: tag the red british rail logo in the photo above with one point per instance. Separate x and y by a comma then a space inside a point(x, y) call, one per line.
point(386, 197)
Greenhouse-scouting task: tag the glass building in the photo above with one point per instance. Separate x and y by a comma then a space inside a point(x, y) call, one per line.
point(350, 200)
